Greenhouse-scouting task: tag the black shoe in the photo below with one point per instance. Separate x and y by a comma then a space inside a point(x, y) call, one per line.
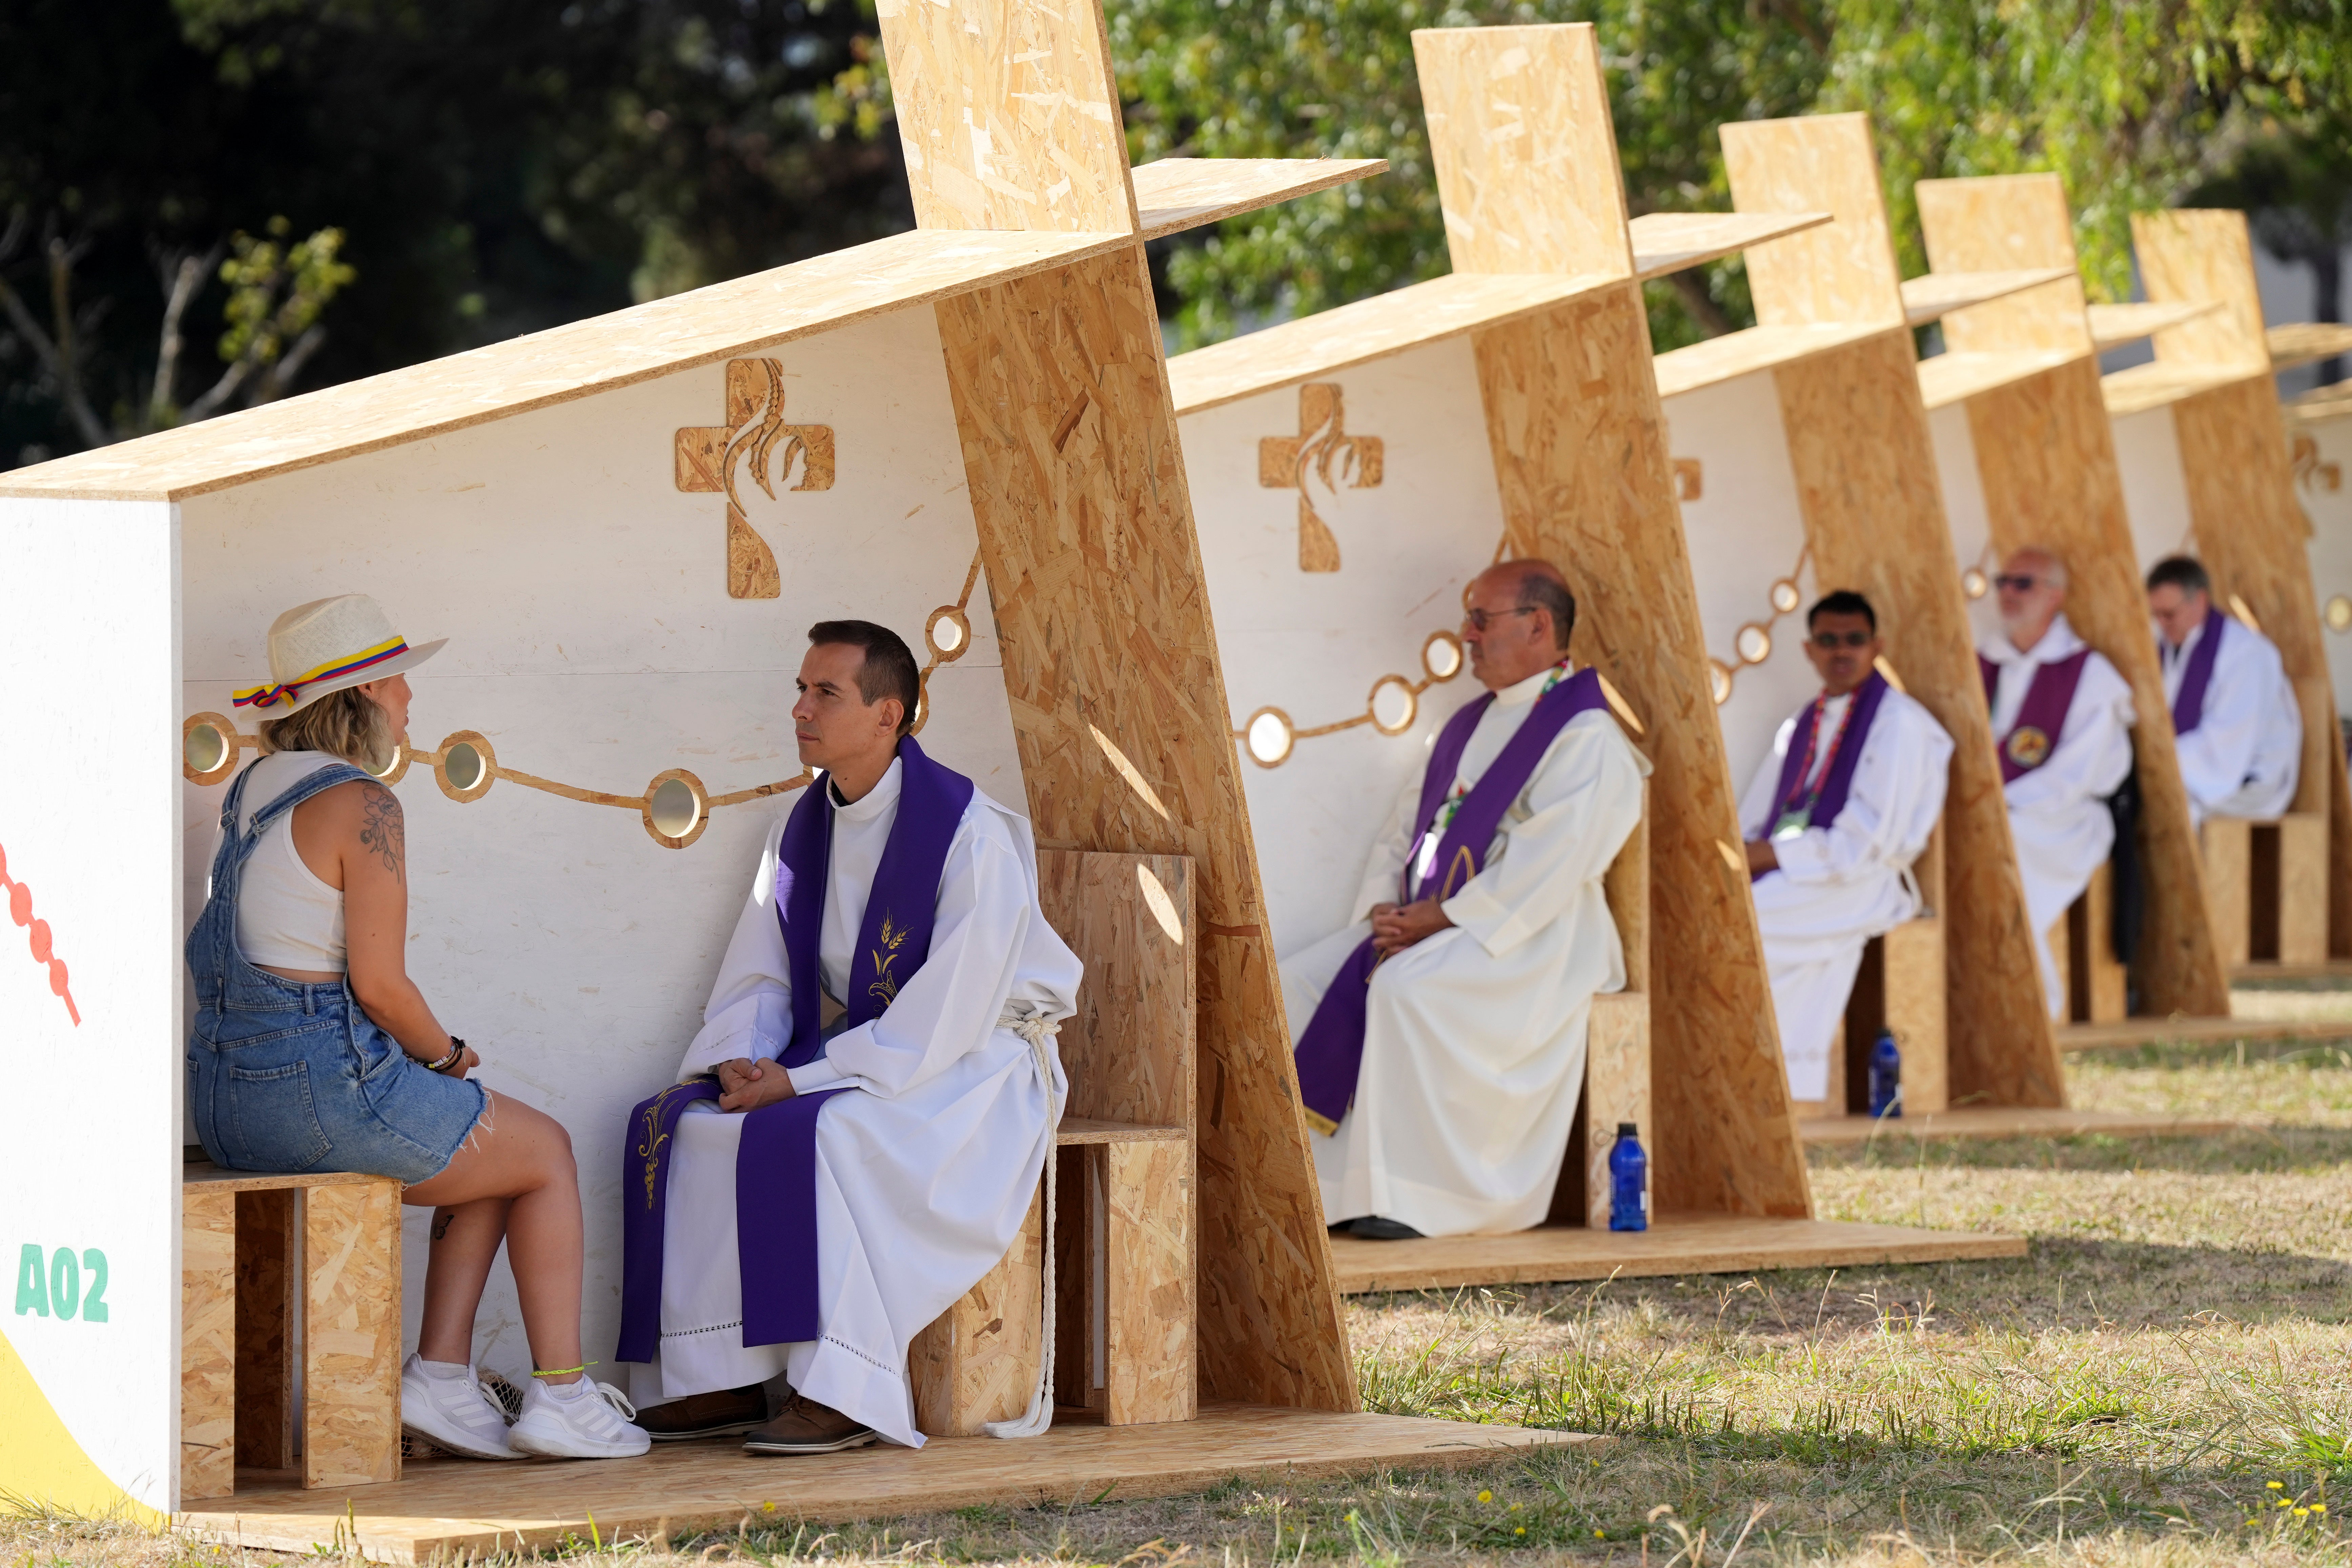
point(1372, 1227)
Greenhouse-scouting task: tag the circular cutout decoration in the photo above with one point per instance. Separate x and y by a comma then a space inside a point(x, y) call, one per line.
point(1753, 643)
point(1393, 705)
point(209, 748)
point(397, 770)
point(677, 809)
point(1268, 736)
point(1440, 656)
point(1719, 676)
point(469, 766)
point(1786, 596)
point(2339, 613)
point(949, 631)
point(1975, 583)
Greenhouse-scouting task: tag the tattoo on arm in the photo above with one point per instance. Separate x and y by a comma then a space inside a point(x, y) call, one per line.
point(382, 832)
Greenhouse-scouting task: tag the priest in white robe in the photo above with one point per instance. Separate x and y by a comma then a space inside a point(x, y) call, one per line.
point(926, 1159)
point(2062, 719)
point(1464, 988)
point(1840, 807)
point(2236, 722)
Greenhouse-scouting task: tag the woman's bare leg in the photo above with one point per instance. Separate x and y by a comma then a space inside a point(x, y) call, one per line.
point(520, 1160)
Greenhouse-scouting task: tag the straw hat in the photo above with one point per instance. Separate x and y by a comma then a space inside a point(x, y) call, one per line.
point(325, 646)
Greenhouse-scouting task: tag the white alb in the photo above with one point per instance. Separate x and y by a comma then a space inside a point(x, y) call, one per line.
point(2244, 756)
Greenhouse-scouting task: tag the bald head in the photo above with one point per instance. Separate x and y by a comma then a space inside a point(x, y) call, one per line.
point(1536, 584)
point(1518, 615)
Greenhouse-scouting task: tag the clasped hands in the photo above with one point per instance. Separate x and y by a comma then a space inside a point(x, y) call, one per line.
point(1397, 926)
point(746, 1085)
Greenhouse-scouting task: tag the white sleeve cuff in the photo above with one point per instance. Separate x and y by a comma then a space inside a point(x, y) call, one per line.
point(1804, 858)
point(816, 1075)
point(1495, 928)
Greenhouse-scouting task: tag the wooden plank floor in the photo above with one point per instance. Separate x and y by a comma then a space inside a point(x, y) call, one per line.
point(2327, 969)
point(450, 1507)
point(2130, 1033)
point(2014, 1122)
point(1674, 1244)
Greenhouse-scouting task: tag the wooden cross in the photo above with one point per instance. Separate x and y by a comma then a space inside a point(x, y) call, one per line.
point(1322, 447)
point(707, 456)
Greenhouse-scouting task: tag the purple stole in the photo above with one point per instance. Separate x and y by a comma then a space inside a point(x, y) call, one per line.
point(1839, 782)
point(2043, 719)
point(2188, 707)
point(775, 1165)
point(1330, 1050)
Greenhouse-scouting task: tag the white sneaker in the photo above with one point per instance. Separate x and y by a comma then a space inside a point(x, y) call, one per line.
point(583, 1420)
point(453, 1413)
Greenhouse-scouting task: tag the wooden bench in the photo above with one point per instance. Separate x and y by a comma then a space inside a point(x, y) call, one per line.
point(2266, 888)
point(240, 1236)
point(1616, 1049)
point(2095, 984)
point(1902, 987)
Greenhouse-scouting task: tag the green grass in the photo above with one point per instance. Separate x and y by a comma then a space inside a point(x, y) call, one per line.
point(2178, 1339)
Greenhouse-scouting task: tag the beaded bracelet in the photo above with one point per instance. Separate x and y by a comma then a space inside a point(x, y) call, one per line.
point(456, 1053)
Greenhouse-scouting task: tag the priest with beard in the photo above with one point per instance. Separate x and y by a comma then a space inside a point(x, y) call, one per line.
point(859, 1126)
point(2238, 725)
point(1440, 1038)
point(1841, 806)
point(2062, 719)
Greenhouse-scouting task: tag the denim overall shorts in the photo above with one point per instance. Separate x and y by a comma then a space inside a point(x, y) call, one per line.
point(291, 1078)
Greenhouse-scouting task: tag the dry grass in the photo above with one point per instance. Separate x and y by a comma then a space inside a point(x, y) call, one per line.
point(2178, 1339)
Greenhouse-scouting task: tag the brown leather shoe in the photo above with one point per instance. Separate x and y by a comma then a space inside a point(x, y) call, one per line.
point(712, 1414)
point(805, 1426)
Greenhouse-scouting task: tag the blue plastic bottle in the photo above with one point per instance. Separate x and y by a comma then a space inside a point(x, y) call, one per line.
point(1886, 1076)
point(1628, 1184)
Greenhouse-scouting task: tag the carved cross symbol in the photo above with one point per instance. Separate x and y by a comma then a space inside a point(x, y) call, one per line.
point(709, 455)
point(1323, 448)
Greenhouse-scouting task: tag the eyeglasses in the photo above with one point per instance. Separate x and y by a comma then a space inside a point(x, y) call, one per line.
point(2015, 581)
point(1829, 641)
point(1477, 620)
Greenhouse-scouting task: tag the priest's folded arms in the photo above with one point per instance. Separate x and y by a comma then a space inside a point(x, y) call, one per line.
point(1440, 1040)
point(812, 1193)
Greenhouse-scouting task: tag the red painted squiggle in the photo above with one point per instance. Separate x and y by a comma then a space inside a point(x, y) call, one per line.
point(20, 910)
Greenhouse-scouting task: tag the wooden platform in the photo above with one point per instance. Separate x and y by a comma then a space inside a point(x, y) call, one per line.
point(1674, 1244)
point(2012, 1122)
point(453, 1507)
point(2327, 969)
point(2126, 1034)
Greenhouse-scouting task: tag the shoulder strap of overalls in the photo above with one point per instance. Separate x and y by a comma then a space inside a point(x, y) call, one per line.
point(310, 784)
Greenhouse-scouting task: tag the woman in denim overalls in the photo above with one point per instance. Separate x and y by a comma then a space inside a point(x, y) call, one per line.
point(318, 1053)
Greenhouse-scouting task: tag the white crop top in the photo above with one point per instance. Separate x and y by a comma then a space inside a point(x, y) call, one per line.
point(286, 917)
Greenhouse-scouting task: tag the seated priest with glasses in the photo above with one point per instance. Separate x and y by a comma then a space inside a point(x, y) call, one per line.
point(2062, 719)
point(1440, 1039)
point(2234, 715)
point(860, 1124)
point(1841, 806)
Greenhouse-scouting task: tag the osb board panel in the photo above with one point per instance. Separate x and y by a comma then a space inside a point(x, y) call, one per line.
point(739, 317)
point(1938, 293)
point(1151, 1363)
point(2228, 845)
point(1866, 480)
point(1674, 1244)
point(2113, 326)
point(207, 1175)
point(2136, 389)
point(1357, 334)
point(2130, 1034)
point(208, 1343)
point(2191, 256)
point(977, 1361)
point(2003, 224)
point(2301, 342)
point(350, 1335)
point(1670, 242)
point(1745, 352)
point(1842, 273)
point(1128, 1048)
point(1949, 378)
point(1524, 152)
point(2014, 1122)
point(1177, 193)
point(1616, 1087)
point(2045, 459)
point(1008, 115)
point(1915, 1010)
point(1120, 712)
point(2303, 888)
point(267, 1302)
point(453, 1507)
point(1626, 885)
point(2109, 983)
point(1581, 460)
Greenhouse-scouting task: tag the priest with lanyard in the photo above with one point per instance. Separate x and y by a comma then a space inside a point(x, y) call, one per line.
point(2238, 728)
point(825, 1180)
point(2062, 719)
point(1833, 819)
point(1440, 1039)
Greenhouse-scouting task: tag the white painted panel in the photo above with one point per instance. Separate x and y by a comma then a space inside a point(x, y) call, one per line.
point(2156, 485)
point(1964, 507)
point(2324, 485)
point(87, 826)
point(1745, 530)
point(1313, 644)
point(592, 642)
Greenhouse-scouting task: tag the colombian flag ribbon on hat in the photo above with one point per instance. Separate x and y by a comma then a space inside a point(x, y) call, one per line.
point(289, 692)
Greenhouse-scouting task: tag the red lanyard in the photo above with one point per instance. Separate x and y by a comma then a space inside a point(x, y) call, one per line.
point(1805, 770)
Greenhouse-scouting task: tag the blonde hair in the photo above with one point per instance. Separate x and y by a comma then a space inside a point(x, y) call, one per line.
point(348, 724)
